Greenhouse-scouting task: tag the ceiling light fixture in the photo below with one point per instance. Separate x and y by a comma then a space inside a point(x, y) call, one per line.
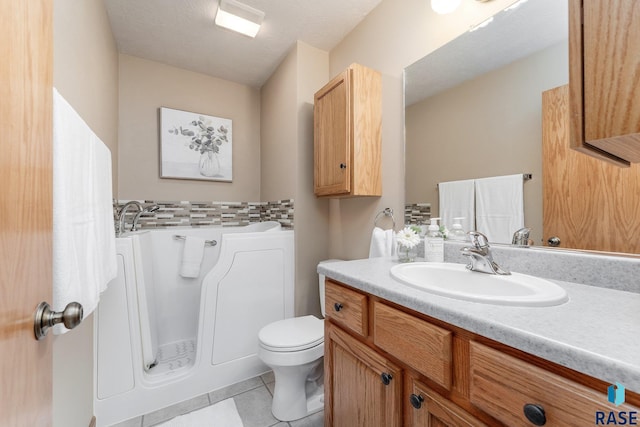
point(239, 17)
point(444, 6)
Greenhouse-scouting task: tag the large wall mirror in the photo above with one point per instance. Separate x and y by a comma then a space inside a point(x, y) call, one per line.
point(473, 107)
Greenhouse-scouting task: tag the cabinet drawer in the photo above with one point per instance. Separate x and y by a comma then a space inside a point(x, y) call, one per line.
point(347, 307)
point(421, 345)
point(429, 409)
point(502, 385)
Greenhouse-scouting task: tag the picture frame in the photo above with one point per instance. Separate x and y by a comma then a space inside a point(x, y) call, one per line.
point(195, 146)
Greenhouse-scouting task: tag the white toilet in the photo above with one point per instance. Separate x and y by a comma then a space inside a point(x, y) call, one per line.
point(294, 349)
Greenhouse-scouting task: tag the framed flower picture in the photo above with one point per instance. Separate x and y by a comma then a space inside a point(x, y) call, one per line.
point(195, 146)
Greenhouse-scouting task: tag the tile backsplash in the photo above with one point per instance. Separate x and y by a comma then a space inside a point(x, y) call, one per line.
point(199, 214)
point(417, 213)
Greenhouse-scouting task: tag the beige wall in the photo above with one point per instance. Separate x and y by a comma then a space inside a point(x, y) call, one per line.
point(278, 131)
point(489, 126)
point(287, 161)
point(85, 72)
point(145, 86)
point(312, 213)
point(391, 37)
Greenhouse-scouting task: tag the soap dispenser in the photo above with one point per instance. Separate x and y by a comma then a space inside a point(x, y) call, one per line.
point(457, 232)
point(434, 243)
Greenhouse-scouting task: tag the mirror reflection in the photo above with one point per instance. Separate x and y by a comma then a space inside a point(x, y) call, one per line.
point(473, 107)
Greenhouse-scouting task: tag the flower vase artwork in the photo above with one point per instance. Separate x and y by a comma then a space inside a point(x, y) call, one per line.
point(209, 164)
point(185, 133)
point(407, 240)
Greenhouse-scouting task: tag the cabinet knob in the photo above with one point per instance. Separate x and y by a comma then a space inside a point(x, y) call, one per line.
point(416, 400)
point(343, 166)
point(337, 306)
point(386, 378)
point(535, 414)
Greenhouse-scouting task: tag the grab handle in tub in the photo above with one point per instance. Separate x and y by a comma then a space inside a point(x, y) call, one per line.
point(206, 242)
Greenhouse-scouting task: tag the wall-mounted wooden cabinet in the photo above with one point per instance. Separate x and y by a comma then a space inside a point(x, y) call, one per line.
point(347, 134)
point(604, 82)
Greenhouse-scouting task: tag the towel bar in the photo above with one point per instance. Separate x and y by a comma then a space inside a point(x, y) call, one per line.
point(386, 212)
point(525, 176)
point(206, 242)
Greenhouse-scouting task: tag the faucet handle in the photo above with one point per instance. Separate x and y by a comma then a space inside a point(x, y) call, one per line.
point(479, 240)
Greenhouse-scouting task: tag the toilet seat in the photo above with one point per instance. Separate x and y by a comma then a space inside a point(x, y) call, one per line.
point(293, 334)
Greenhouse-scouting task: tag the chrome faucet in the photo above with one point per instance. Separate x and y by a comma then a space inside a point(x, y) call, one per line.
point(480, 258)
point(147, 210)
point(122, 214)
point(521, 237)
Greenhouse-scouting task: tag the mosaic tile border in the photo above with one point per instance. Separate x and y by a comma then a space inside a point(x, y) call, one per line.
point(417, 213)
point(206, 214)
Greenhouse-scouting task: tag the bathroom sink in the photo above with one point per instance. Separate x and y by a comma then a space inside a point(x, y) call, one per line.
point(455, 281)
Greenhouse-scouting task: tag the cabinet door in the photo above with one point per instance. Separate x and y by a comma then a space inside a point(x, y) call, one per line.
point(362, 389)
point(331, 144)
point(429, 409)
point(604, 41)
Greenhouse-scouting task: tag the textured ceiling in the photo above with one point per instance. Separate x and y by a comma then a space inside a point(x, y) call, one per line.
point(182, 33)
point(513, 34)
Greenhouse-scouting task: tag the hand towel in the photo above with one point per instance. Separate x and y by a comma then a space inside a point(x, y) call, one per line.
point(382, 243)
point(500, 207)
point(192, 256)
point(84, 247)
point(457, 199)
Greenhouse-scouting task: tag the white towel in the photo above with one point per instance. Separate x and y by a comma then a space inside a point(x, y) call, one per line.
point(84, 247)
point(382, 243)
point(500, 207)
point(457, 199)
point(192, 256)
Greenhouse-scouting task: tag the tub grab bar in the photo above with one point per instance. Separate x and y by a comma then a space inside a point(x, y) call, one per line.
point(206, 242)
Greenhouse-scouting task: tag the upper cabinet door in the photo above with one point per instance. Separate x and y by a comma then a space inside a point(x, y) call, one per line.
point(332, 137)
point(347, 134)
point(604, 78)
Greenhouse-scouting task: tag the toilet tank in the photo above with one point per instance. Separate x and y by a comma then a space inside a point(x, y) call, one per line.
point(321, 284)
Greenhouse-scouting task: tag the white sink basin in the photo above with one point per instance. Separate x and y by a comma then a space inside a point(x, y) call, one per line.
point(455, 281)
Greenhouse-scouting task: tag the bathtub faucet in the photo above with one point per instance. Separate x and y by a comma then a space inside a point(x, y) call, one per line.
point(147, 210)
point(122, 214)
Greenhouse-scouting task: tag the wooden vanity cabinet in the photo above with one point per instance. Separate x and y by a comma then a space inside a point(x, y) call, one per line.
point(347, 138)
point(388, 366)
point(604, 59)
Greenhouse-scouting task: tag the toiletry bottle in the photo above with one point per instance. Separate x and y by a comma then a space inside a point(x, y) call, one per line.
point(457, 232)
point(434, 243)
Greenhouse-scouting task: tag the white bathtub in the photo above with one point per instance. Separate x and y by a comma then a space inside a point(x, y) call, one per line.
point(161, 339)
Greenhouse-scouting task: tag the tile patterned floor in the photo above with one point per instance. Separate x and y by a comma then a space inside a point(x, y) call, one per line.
point(252, 398)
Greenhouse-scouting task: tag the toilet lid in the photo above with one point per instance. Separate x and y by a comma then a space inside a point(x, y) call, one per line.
point(294, 334)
